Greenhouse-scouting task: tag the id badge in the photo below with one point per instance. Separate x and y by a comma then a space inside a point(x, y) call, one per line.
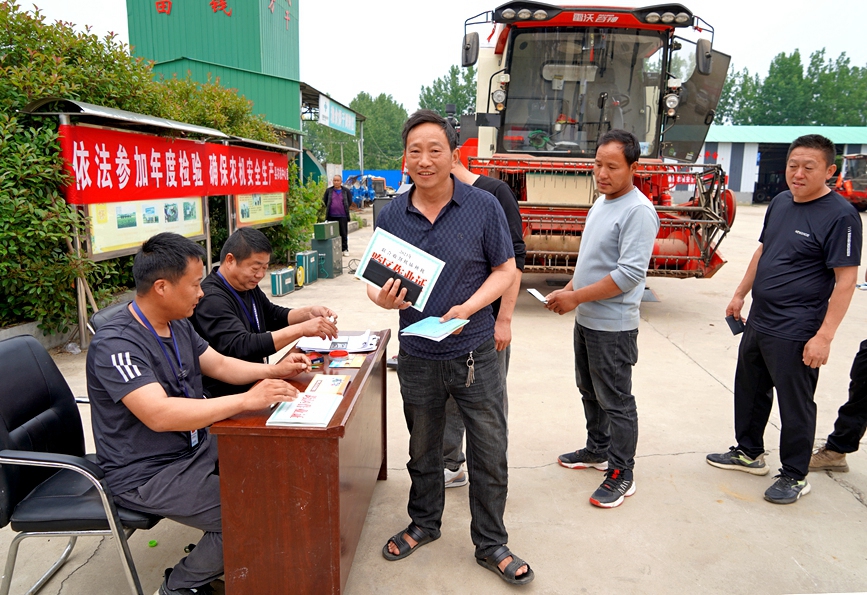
point(194, 438)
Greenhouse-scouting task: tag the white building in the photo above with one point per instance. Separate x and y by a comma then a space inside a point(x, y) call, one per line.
point(754, 157)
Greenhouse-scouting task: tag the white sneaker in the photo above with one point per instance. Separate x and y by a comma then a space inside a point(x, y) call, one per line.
point(456, 479)
point(346, 253)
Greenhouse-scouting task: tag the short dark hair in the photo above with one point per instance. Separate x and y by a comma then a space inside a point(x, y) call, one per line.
point(165, 256)
point(426, 116)
point(818, 142)
point(629, 142)
point(245, 242)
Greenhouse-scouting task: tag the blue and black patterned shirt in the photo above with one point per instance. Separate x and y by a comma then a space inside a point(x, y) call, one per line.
point(471, 236)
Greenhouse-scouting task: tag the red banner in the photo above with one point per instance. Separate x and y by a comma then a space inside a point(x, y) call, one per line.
point(115, 166)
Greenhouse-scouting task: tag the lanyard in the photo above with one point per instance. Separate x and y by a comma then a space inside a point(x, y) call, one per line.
point(179, 375)
point(254, 319)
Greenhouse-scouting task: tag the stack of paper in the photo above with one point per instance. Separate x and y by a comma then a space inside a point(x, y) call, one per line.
point(351, 343)
point(315, 406)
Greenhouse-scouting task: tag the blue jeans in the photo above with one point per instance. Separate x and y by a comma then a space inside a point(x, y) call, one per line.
point(425, 386)
point(603, 373)
point(453, 437)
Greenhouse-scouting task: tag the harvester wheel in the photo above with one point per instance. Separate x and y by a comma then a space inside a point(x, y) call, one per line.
point(728, 206)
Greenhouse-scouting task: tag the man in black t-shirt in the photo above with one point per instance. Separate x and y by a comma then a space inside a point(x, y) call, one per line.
point(149, 416)
point(237, 319)
point(453, 435)
point(802, 278)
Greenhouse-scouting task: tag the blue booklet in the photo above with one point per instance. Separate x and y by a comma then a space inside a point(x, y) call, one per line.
point(431, 328)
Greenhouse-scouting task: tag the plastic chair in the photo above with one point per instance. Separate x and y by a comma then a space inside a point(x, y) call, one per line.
point(48, 488)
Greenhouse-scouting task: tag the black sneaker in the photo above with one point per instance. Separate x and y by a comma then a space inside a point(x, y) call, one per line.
point(618, 485)
point(581, 459)
point(201, 590)
point(786, 490)
point(737, 460)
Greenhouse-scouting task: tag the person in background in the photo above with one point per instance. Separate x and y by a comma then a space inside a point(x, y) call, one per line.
point(337, 200)
point(453, 455)
point(237, 319)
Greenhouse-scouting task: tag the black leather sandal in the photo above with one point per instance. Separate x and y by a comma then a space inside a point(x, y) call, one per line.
point(501, 553)
point(404, 549)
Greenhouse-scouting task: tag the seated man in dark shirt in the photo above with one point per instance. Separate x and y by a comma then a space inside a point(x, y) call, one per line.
point(237, 319)
point(149, 415)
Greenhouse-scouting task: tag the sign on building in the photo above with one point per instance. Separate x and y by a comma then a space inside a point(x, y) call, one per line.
point(336, 116)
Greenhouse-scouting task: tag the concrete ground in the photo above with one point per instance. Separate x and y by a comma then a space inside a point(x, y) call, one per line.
point(689, 528)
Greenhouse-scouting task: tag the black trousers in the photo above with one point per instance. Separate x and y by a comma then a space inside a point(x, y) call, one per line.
point(343, 225)
point(852, 416)
point(766, 363)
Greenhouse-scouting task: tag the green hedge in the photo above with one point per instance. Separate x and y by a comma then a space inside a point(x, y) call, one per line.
point(37, 267)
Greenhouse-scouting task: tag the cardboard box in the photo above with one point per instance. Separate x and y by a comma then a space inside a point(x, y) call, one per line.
point(283, 281)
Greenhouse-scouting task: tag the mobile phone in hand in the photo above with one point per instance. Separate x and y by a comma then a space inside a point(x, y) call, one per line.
point(735, 324)
point(535, 293)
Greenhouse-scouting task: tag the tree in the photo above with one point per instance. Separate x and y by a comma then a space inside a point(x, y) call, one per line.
point(829, 93)
point(455, 87)
point(383, 146)
point(38, 266)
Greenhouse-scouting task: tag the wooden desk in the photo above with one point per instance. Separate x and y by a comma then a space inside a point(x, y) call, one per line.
point(295, 499)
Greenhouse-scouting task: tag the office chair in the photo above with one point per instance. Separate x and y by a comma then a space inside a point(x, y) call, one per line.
point(48, 488)
point(100, 317)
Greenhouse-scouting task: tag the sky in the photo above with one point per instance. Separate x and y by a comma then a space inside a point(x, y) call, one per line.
point(396, 46)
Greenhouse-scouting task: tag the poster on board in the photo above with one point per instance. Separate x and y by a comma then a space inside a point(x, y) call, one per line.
point(259, 209)
point(119, 228)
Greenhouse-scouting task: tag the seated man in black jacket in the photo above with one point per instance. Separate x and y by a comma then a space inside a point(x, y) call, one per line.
point(238, 320)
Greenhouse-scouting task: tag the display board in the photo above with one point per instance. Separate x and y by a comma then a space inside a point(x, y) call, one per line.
point(259, 210)
point(120, 228)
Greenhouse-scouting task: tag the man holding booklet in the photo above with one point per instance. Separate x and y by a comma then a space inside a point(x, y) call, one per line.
point(466, 229)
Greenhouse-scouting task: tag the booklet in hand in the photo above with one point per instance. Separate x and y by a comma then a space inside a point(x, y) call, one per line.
point(431, 328)
point(389, 257)
point(379, 274)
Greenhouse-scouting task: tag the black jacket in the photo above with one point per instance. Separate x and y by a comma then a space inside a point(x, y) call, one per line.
point(220, 320)
point(347, 199)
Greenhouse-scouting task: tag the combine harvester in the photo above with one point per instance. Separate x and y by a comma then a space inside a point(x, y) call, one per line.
point(553, 79)
point(852, 181)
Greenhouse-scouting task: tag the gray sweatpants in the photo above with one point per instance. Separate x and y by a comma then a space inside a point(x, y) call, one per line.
point(188, 492)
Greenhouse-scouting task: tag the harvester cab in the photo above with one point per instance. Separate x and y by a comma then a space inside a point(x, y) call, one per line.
point(559, 78)
point(553, 79)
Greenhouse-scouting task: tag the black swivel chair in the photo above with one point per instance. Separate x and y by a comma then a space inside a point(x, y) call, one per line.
point(48, 488)
point(102, 316)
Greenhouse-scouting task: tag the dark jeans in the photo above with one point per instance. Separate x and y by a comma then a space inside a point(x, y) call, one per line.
point(852, 416)
point(766, 363)
point(188, 491)
point(453, 436)
point(425, 386)
point(603, 373)
point(343, 225)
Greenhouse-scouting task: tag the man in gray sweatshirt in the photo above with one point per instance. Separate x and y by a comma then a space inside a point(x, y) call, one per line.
point(606, 289)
